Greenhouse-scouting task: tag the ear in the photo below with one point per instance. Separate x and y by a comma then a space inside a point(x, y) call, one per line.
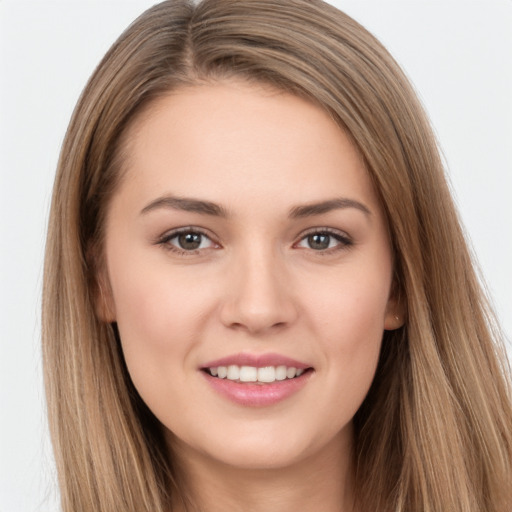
point(100, 287)
point(395, 310)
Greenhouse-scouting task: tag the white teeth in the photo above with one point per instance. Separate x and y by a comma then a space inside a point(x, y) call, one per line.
point(233, 372)
point(252, 374)
point(291, 372)
point(248, 374)
point(267, 374)
point(280, 372)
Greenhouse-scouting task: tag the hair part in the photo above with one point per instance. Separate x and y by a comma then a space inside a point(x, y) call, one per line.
point(434, 432)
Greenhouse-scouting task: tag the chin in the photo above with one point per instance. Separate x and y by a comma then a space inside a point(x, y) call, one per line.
point(261, 449)
point(263, 456)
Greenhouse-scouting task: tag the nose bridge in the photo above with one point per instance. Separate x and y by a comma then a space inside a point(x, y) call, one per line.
point(259, 295)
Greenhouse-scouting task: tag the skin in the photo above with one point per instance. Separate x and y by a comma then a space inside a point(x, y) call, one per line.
point(256, 284)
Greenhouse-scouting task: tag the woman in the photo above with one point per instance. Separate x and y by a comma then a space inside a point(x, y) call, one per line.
point(257, 291)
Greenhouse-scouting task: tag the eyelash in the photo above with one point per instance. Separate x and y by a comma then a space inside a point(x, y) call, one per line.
point(166, 239)
point(344, 241)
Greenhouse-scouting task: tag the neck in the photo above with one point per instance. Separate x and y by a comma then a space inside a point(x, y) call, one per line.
point(321, 481)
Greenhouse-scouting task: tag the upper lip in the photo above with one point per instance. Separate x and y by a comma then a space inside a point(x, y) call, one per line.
point(257, 360)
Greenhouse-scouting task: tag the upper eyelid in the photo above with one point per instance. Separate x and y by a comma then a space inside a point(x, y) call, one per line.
point(344, 240)
point(165, 241)
point(324, 229)
point(170, 234)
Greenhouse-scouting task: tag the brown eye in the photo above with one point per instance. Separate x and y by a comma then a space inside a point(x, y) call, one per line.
point(319, 241)
point(325, 240)
point(189, 241)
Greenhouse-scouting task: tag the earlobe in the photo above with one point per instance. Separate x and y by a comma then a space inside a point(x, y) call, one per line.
point(393, 322)
point(395, 315)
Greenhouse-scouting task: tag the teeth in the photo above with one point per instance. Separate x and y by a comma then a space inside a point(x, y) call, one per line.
point(233, 372)
point(281, 373)
point(252, 374)
point(248, 374)
point(267, 374)
point(291, 372)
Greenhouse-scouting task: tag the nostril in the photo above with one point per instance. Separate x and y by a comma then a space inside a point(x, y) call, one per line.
point(256, 327)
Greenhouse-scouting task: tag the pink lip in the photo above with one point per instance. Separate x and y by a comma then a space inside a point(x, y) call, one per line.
point(257, 360)
point(257, 394)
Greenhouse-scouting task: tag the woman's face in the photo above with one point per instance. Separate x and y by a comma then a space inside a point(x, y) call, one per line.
point(246, 238)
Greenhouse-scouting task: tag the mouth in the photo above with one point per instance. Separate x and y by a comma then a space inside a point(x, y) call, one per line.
point(257, 380)
point(254, 374)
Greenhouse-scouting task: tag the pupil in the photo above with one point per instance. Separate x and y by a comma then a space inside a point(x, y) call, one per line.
point(319, 241)
point(190, 241)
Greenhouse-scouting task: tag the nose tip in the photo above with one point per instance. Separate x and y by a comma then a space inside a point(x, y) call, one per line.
point(257, 317)
point(256, 322)
point(258, 300)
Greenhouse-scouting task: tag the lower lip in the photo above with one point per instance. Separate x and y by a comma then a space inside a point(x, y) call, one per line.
point(251, 394)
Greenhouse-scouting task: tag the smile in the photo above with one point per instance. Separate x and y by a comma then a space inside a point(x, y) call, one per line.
point(263, 375)
point(252, 380)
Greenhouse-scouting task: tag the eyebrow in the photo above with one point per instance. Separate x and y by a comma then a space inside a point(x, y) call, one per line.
point(213, 209)
point(322, 207)
point(186, 204)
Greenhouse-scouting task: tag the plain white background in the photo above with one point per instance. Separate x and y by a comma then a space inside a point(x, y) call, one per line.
point(458, 54)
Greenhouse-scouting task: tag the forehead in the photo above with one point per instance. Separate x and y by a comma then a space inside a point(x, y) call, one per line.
point(232, 140)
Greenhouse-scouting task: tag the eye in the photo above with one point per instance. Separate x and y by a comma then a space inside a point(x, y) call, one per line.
point(187, 241)
point(324, 240)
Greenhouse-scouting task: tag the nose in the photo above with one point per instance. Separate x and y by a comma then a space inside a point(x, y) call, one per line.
point(259, 294)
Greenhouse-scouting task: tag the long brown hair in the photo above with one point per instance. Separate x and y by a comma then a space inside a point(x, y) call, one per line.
point(435, 431)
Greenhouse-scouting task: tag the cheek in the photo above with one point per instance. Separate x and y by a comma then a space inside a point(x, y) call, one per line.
point(348, 320)
point(154, 302)
point(160, 316)
point(350, 306)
